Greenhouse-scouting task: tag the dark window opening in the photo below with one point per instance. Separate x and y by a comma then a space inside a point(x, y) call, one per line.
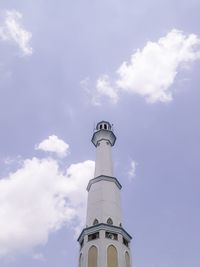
point(109, 221)
point(100, 126)
point(95, 222)
point(125, 242)
point(93, 236)
point(82, 243)
point(112, 236)
point(105, 126)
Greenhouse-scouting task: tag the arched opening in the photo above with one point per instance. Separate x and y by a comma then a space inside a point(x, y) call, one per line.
point(105, 126)
point(92, 256)
point(127, 259)
point(112, 257)
point(110, 235)
point(125, 242)
point(95, 222)
point(109, 221)
point(82, 243)
point(93, 236)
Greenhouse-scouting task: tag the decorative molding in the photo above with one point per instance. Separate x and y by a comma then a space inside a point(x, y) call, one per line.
point(104, 178)
point(103, 134)
point(106, 227)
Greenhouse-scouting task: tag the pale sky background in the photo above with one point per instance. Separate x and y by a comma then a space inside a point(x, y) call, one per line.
point(65, 65)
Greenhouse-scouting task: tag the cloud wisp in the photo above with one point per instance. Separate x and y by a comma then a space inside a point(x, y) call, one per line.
point(13, 30)
point(132, 170)
point(151, 71)
point(55, 145)
point(38, 199)
point(39, 257)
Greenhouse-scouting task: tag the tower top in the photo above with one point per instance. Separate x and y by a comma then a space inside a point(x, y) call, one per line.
point(103, 125)
point(103, 131)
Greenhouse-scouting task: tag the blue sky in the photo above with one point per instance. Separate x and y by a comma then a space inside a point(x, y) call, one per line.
point(65, 66)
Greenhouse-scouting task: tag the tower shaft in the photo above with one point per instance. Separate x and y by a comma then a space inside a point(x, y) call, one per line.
point(103, 165)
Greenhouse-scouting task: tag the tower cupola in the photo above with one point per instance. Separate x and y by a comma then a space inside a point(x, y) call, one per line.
point(103, 131)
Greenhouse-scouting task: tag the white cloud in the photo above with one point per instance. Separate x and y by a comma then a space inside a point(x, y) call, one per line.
point(151, 71)
point(104, 87)
point(132, 170)
point(38, 199)
point(91, 93)
point(39, 257)
point(55, 145)
point(13, 30)
point(10, 160)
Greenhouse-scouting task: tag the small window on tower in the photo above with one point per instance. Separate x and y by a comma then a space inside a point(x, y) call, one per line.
point(112, 236)
point(105, 126)
point(82, 243)
point(100, 126)
point(125, 242)
point(93, 236)
point(109, 221)
point(95, 222)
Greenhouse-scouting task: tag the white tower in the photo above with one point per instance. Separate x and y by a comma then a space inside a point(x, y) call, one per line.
point(104, 242)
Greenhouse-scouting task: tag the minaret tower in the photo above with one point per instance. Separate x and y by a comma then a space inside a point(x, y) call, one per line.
point(104, 242)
